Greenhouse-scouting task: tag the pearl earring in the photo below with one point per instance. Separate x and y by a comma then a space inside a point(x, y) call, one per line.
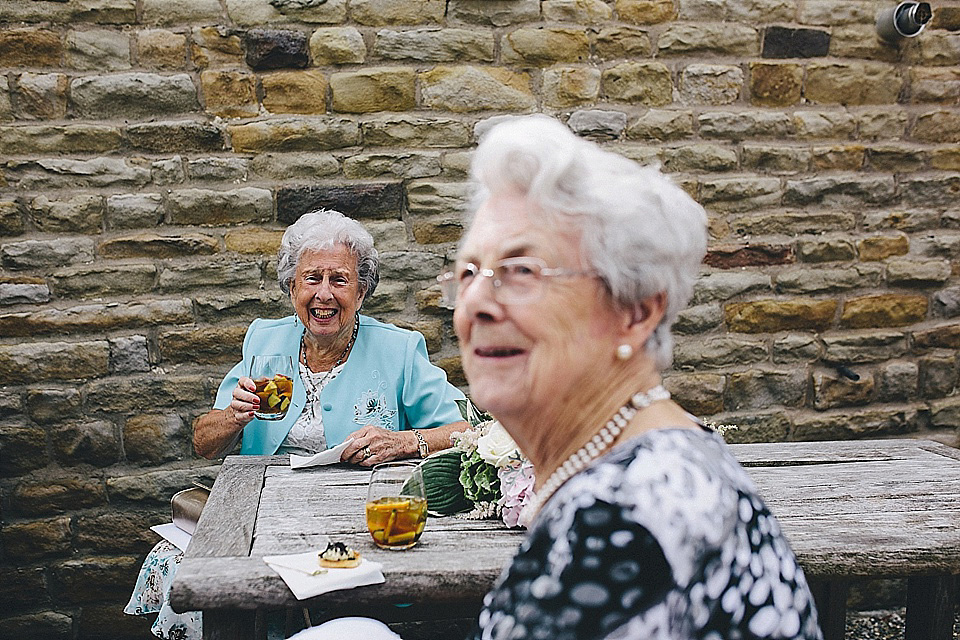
point(624, 352)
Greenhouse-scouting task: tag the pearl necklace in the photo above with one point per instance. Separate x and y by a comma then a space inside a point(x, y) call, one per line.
point(594, 447)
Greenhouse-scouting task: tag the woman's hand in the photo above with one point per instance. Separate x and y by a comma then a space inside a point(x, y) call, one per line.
point(245, 402)
point(372, 445)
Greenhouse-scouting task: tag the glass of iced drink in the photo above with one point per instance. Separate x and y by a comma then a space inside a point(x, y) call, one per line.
point(396, 505)
point(273, 376)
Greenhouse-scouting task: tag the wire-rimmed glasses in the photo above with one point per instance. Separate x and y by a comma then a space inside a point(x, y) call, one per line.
point(514, 280)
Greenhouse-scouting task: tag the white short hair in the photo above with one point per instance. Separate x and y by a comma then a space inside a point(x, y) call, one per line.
point(641, 232)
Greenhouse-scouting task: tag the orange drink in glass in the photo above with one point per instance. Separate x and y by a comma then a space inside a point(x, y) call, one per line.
point(396, 505)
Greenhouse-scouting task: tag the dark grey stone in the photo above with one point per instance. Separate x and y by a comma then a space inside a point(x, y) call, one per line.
point(782, 42)
point(276, 49)
point(382, 200)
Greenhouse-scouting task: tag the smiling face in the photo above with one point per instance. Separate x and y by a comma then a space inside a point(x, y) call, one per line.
point(530, 360)
point(326, 293)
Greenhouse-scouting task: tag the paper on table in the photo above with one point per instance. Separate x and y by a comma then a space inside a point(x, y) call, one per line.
point(296, 570)
point(330, 456)
point(174, 534)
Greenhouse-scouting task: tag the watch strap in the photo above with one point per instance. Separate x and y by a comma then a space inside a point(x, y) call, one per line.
point(422, 448)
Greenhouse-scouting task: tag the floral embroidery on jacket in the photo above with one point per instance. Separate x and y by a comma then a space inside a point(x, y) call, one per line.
point(373, 408)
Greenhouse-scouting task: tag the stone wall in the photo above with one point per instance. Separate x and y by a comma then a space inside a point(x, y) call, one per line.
point(152, 151)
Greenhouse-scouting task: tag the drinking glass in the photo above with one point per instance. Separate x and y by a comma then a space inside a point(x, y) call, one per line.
point(396, 505)
point(273, 376)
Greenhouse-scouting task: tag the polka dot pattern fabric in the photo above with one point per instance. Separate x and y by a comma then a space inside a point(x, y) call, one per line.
point(665, 538)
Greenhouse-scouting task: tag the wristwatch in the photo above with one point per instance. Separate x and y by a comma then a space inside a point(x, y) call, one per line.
point(422, 446)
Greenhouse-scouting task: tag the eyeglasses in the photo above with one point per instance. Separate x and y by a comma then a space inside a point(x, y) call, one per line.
point(514, 280)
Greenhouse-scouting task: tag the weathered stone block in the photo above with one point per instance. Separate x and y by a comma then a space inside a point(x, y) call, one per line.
point(22, 449)
point(253, 241)
point(82, 213)
point(740, 194)
point(96, 317)
point(117, 531)
point(133, 211)
point(946, 302)
point(880, 123)
point(719, 351)
point(93, 281)
point(744, 124)
point(294, 134)
point(181, 11)
point(6, 109)
point(700, 394)
point(156, 438)
point(436, 198)
point(282, 166)
point(393, 165)
point(497, 13)
point(410, 265)
point(612, 43)
point(754, 427)
point(58, 495)
point(699, 157)
point(886, 310)
point(852, 83)
point(645, 11)
point(23, 291)
point(930, 191)
point(647, 83)
point(276, 49)
point(938, 376)
point(145, 392)
point(22, 588)
point(860, 41)
point(97, 50)
point(823, 280)
point(42, 95)
point(437, 229)
point(38, 539)
point(945, 413)
point(937, 48)
point(711, 84)
point(598, 124)
point(390, 297)
point(541, 47)
point(156, 487)
point(831, 390)
point(50, 173)
point(698, 319)
point(661, 124)
point(295, 92)
point(129, 354)
point(94, 443)
point(133, 95)
point(337, 45)
point(390, 12)
point(940, 337)
point(32, 254)
point(205, 207)
point(794, 223)
point(777, 159)
point(152, 245)
point(883, 247)
point(720, 286)
point(775, 85)
point(567, 87)
point(435, 45)
point(48, 406)
point(174, 136)
point(233, 170)
point(763, 316)
point(215, 46)
point(208, 345)
point(404, 130)
point(897, 381)
point(257, 12)
point(918, 272)
point(161, 49)
point(782, 42)
point(838, 158)
point(98, 619)
point(945, 159)
point(764, 389)
point(91, 579)
point(29, 47)
point(840, 190)
point(45, 624)
point(897, 158)
point(219, 273)
point(886, 220)
point(795, 348)
point(725, 39)
point(453, 367)
point(844, 425)
point(465, 89)
point(824, 12)
point(52, 360)
point(582, 11)
point(230, 94)
point(369, 200)
point(824, 124)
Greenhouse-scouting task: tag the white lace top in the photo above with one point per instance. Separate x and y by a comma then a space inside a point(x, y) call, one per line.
point(306, 436)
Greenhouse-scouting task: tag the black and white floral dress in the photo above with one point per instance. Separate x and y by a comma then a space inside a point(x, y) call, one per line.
point(664, 538)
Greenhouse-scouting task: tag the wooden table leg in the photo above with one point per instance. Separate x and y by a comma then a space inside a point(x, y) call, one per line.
point(931, 601)
point(222, 624)
point(831, 599)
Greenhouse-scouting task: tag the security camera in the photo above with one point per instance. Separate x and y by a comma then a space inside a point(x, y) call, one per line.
point(906, 20)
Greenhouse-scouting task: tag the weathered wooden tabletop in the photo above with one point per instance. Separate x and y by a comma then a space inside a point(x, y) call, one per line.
point(865, 508)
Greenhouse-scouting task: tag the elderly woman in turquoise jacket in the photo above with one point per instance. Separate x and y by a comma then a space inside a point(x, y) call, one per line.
point(358, 379)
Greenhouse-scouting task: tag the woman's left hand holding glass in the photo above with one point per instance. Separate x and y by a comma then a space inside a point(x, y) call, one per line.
point(372, 445)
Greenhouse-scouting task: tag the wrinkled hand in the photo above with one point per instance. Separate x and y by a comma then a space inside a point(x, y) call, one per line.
point(372, 445)
point(244, 402)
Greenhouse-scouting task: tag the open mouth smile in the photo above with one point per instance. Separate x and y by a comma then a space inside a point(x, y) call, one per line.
point(323, 314)
point(497, 352)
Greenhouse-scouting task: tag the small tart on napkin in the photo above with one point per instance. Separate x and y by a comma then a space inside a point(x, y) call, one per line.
point(338, 556)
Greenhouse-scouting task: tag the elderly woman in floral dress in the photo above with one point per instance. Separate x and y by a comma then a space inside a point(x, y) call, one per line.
point(566, 283)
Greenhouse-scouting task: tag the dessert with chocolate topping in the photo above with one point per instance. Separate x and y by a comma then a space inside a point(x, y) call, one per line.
point(339, 556)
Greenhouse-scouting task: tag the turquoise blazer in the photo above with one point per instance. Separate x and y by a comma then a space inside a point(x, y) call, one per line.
point(388, 381)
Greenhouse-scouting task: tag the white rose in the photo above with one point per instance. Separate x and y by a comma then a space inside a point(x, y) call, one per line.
point(496, 446)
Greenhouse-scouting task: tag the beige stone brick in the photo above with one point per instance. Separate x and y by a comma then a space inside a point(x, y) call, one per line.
point(885, 310)
point(570, 86)
point(764, 316)
point(827, 13)
point(161, 49)
point(6, 110)
point(936, 48)
point(899, 219)
point(215, 46)
point(749, 11)
point(661, 124)
point(775, 84)
point(861, 41)
point(464, 89)
point(294, 166)
point(42, 95)
point(154, 245)
point(795, 348)
point(38, 539)
point(102, 280)
point(779, 159)
point(945, 336)
point(718, 351)
point(206, 344)
point(823, 124)
point(230, 94)
point(544, 46)
point(294, 134)
point(437, 229)
point(846, 425)
point(762, 389)
point(743, 124)
point(826, 250)
point(302, 92)
point(838, 158)
point(918, 272)
point(435, 45)
point(740, 193)
point(30, 48)
point(699, 157)
point(392, 165)
point(813, 280)
point(97, 49)
point(728, 39)
point(622, 42)
point(82, 213)
point(947, 159)
point(253, 241)
point(582, 11)
point(852, 83)
point(865, 346)
point(167, 12)
point(371, 90)
point(937, 85)
point(497, 14)
point(52, 360)
point(883, 247)
point(390, 297)
point(831, 390)
point(882, 123)
point(406, 130)
point(256, 13)
point(700, 394)
point(212, 207)
point(711, 84)
point(645, 11)
point(647, 83)
point(937, 126)
point(337, 45)
point(389, 12)
point(897, 158)
point(429, 198)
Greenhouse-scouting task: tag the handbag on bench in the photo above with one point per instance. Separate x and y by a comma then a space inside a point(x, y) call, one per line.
point(187, 506)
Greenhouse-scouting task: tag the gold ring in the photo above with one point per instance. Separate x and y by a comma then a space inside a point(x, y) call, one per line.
point(366, 452)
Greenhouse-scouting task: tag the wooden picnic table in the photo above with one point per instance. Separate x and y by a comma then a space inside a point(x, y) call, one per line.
point(861, 509)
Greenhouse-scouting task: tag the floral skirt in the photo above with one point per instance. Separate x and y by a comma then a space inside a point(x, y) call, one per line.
point(152, 595)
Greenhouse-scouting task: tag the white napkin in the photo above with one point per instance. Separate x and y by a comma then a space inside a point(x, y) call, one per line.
point(297, 571)
point(171, 532)
point(330, 456)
